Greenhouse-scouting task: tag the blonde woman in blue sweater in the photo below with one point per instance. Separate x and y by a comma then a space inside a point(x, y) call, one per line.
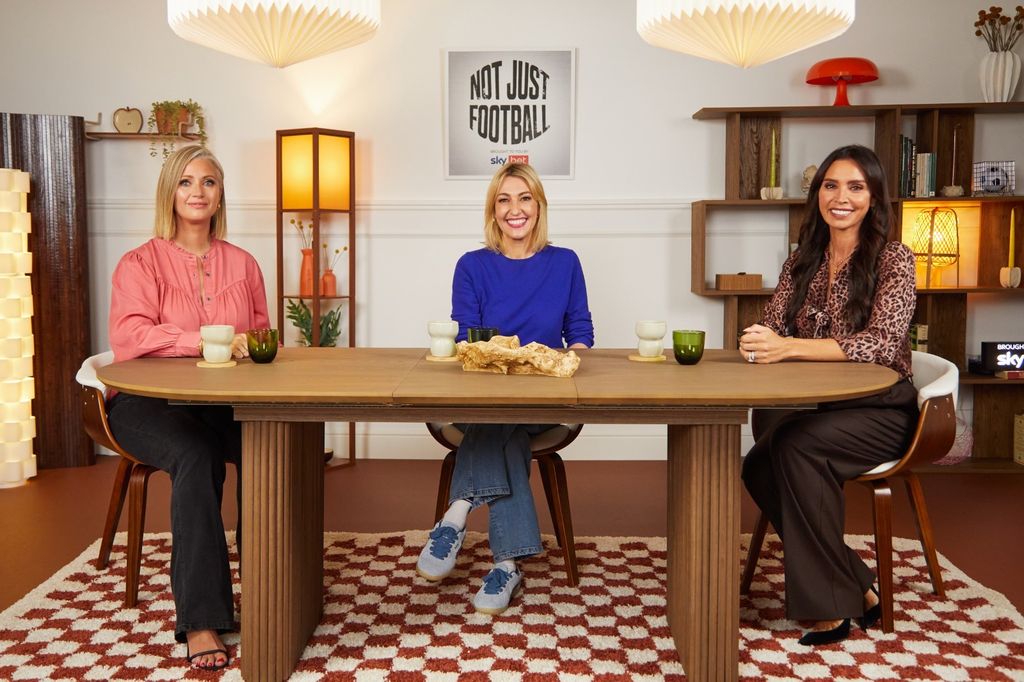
point(521, 285)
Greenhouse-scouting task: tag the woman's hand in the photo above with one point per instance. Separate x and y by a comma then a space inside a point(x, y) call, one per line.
point(240, 346)
point(759, 344)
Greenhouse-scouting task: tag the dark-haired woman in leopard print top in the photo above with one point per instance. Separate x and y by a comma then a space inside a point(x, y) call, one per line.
point(846, 293)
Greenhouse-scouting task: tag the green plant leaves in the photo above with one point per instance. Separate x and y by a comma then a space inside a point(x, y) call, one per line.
point(300, 315)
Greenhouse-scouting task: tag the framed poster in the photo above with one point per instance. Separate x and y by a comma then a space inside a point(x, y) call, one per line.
point(510, 105)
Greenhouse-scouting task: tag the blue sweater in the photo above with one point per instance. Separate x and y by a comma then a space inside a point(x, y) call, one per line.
point(542, 298)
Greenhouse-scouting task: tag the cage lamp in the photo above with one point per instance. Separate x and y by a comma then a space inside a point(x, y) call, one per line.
point(742, 33)
point(935, 242)
point(17, 387)
point(275, 32)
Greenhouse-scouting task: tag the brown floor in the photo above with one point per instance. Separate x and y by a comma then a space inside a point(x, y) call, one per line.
point(978, 518)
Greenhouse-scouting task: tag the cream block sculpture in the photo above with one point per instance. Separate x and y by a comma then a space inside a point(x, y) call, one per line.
point(17, 388)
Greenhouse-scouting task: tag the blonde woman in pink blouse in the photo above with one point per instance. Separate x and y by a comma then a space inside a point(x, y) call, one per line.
point(184, 277)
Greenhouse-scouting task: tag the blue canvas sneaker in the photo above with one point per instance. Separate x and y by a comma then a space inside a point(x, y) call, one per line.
point(438, 557)
point(498, 589)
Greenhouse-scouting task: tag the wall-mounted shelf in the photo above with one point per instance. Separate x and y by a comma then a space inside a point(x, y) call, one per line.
point(94, 136)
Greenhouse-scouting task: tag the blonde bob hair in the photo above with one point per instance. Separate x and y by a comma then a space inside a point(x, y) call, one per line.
point(165, 226)
point(492, 232)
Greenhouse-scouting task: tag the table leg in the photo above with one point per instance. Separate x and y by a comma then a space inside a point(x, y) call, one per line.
point(703, 549)
point(282, 544)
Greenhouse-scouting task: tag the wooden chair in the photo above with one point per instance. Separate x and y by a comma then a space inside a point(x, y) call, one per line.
point(545, 447)
point(131, 479)
point(937, 381)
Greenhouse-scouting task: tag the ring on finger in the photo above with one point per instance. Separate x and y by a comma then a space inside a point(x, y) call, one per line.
point(750, 358)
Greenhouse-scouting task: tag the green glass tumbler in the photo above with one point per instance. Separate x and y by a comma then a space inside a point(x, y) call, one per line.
point(262, 344)
point(688, 346)
point(474, 334)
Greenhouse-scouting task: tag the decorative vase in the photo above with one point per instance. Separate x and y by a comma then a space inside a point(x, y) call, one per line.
point(306, 274)
point(328, 283)
point(1000, 72)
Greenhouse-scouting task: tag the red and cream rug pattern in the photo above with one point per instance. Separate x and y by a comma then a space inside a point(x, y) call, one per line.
point(382, 622)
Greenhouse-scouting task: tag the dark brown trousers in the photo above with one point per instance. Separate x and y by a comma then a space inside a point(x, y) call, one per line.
point(795, 472)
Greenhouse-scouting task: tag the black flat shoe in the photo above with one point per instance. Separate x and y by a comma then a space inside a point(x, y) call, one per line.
point(872, 615)
point(820, 637)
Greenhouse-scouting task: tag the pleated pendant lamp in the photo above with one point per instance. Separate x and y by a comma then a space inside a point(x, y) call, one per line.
point(743, 33)
point(275, 32)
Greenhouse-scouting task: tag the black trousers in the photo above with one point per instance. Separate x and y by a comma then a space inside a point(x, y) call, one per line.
point(795, 472)
point(192, 443)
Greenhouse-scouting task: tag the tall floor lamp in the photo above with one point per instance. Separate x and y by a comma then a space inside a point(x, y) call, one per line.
point(316, 176)
point(17, 387)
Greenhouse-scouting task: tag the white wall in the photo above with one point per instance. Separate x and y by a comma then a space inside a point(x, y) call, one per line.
point(640, 157)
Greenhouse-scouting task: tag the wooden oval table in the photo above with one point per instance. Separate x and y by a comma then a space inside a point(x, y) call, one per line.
point(283, 406)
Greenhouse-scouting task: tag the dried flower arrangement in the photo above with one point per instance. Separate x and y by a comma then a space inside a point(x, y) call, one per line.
point(307, 237)
point(1000, 31)
point(334, 259)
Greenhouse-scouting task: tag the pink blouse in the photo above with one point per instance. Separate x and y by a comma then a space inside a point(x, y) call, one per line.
point(155, 306)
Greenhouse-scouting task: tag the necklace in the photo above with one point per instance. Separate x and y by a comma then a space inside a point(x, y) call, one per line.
point(835, 266)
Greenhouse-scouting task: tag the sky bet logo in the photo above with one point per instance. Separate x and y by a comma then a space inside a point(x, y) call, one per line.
point(1009, 358)
point(512, 158)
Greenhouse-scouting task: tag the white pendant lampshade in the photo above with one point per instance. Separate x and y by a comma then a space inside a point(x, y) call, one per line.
point(17, 388)
point(275, 32)
point(741, 32)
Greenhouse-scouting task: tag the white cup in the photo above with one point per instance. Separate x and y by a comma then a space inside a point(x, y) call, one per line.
point(217, 340)
point(442, 338)
point(651, 333)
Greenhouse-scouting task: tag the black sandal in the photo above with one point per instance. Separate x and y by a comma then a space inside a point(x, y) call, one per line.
point(216, 666)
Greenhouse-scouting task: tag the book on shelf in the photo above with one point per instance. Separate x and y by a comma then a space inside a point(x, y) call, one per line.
point(1010, 374)
point(919, 337)
point(924, 182)
point(908, 152)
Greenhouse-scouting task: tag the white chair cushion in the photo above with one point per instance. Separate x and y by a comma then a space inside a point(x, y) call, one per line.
point(87, 373)
point(934, 376)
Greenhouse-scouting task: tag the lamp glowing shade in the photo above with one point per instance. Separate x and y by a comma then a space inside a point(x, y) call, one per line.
point(275, 32)
point(936, 241)
point(17, 388)
point(296, 156)
point(741, 32)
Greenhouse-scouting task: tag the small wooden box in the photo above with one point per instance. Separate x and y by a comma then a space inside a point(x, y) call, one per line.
point(1018, 439)
point(741, 280)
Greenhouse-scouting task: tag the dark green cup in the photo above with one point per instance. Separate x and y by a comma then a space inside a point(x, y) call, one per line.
point(687, 346)
point(262, 344)
point(474, 334)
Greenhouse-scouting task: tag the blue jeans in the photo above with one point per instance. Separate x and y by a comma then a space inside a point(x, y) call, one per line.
point(192, 443)
point(492, 467)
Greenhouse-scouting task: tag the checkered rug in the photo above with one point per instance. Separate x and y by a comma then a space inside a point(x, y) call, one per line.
point(383, 622)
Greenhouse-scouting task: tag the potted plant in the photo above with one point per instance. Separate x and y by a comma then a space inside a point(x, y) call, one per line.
point(301, 316)
point(166, 119)
point(1000, 67)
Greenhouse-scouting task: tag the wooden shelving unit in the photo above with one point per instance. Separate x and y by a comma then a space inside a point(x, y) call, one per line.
point(314, 212)
point(944, 310)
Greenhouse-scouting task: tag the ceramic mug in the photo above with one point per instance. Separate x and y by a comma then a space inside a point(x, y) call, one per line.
point(687, 346)
point(442, 337)
point(262, 344)
point(650, 333)
point(217, 340)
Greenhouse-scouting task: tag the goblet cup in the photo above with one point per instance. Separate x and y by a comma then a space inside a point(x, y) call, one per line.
point(687, 346)
point(262, 344)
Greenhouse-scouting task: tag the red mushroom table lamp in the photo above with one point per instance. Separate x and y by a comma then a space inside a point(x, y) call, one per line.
point(842, 70)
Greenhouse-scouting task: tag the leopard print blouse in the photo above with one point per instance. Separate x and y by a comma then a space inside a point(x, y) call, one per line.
point(885, 340)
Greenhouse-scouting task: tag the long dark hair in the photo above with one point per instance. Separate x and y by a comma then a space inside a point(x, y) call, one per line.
point(814, 238)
